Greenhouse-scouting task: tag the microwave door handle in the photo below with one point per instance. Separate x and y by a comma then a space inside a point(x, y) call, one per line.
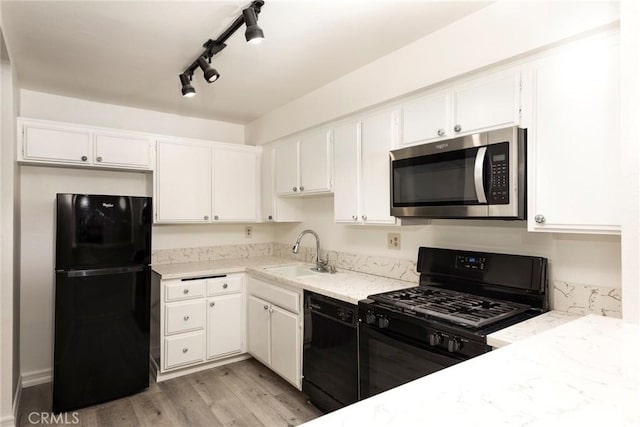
point(478, 174)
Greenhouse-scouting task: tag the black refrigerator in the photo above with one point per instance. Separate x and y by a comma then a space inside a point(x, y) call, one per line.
point(102, 298)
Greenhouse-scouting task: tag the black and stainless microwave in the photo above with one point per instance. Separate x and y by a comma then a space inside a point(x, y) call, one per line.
point(475, 176)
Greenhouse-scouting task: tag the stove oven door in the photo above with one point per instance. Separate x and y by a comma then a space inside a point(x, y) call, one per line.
point(388, 360)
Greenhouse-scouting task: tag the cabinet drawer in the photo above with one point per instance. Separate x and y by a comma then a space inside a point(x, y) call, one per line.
point(224, 285)
point(289, 300)
point(179, 290)
point(183, 349)
point(184, 316)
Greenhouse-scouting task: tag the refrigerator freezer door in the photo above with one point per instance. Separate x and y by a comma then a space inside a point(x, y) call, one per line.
point(94, 231)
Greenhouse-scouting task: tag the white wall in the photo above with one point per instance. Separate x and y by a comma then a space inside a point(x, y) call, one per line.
point(582, 259)
point(39, 105)
point(500, 31)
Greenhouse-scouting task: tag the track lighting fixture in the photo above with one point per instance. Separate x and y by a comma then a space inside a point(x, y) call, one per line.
point(210, 74)
point(253, 34)
point(187, 90)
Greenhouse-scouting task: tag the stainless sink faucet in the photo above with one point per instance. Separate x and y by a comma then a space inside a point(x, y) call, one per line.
point(321, 265)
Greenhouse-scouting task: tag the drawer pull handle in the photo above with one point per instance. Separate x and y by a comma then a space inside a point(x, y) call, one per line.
point(186, 318)
point(211, 304)
point(184, 350)
point(266, 307)
point(186, 291)
point(225, 286)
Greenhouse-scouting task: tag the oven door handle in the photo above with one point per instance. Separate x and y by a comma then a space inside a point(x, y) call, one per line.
point(478, 175)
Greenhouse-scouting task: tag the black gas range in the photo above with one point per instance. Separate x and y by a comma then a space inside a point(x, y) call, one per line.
point(462, 297)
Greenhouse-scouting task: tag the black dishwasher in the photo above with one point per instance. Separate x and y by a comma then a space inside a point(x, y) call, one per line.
point(330, 357)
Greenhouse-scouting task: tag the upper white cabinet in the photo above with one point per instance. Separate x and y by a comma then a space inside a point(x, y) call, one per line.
point(202, 182)
point(183, 182)
point(235, 184)
point(303, 166)
point(361, 156)
point(74, 145)
point(120, 149)
point(574, 141)
point(272, 207)
point(485, 103)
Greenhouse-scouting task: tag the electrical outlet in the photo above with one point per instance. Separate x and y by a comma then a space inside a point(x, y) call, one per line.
point(393, 240)
point(248, 232)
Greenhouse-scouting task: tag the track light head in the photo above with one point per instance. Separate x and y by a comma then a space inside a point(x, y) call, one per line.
point(210, 74)
point(253, 34)
point(187, 90)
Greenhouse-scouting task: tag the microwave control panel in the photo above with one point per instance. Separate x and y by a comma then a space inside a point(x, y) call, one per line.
point(499, 184)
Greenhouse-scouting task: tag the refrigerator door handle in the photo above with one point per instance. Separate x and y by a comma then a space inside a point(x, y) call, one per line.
point(103, 271)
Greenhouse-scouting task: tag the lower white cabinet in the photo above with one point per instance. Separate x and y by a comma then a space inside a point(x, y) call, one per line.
point(275, 328)
point(196, 323)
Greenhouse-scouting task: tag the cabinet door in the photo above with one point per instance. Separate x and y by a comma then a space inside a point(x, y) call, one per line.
point(490, 102)
point(426, 119)
point(183, 182)
point(225, 325)
point(379, 133)
point(285, 345)
point(127, 151)
point(56, 144)
point(574, 143)
point(346, 160)
point(280, 209)
point(286, 168)
point(258, 329)
point(235, 195)
point(315, 162)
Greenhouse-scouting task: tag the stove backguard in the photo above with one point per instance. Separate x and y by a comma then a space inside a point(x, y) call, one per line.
point(516, 278)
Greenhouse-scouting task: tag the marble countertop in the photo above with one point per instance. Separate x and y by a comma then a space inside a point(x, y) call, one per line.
point(530, 327)
point(348, 286)
point(585, 372)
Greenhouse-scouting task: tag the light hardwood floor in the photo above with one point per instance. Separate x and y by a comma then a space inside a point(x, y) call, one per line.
point(239, 394)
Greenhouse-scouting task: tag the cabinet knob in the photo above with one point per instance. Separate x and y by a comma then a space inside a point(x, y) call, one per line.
point(457, 128)
point(440, 132)
point(539, 219)
point(354, 217)
point(98, 159)
point(215, 217)
point(301, 188)
point(186, 318)
point(364, 217)
point(186, 291)
point(295, 188)
point(266, 307)
point(225, 286)
point(270, 216)
point(184, 350)
point(83, 158)
point(211, 304)
point(206, 217)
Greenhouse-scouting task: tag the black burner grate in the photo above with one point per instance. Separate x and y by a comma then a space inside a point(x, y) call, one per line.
point(457, 307)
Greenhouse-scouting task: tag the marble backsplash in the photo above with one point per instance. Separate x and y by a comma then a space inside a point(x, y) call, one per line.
point(565, 296)
point(585, 299)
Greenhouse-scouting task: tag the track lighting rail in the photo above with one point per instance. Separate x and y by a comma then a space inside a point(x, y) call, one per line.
point(213, 47)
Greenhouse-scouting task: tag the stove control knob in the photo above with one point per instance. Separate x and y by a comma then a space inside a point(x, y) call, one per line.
point(383, 322)
point(453, 345)
point(435, 339)
point(370, 319)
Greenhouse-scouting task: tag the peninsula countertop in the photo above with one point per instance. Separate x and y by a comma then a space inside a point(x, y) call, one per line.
point(345, 285)
point(585, 372)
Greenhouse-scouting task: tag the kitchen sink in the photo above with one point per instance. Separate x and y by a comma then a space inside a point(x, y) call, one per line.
point(292, 270)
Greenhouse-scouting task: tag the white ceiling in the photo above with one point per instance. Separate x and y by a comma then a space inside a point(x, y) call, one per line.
point(131, 52)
